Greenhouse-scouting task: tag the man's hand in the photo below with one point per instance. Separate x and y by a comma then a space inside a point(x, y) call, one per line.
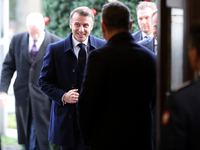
point(71, 96)
point(3, 97)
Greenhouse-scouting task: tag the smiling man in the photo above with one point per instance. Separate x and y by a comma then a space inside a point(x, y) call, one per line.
point(144, 11)
point(61, 78)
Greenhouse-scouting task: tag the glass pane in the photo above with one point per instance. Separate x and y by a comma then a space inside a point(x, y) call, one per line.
point(176, 47)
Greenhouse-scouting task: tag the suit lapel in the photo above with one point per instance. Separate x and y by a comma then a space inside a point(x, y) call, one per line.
point(140, 36)
point(92, 45)
point(153, 47)
point(24, 47)
point(43, 47)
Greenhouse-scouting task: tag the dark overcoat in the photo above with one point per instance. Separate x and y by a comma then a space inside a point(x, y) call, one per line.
point(59, 75)
point(26, 90)
point(118, 95)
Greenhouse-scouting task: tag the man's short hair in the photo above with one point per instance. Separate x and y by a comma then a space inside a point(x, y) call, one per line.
point(116, 15)
point(83, 11)
point(35, 19)
point(194, 36)
point(143, 5)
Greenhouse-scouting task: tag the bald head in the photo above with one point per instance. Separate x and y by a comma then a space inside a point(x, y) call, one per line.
point(35, 25)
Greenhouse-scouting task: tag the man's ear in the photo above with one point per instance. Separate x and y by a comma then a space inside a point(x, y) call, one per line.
point(131, 22)
point(102, 27)
point(194, 58)
point(92, 25)
point(70, 24)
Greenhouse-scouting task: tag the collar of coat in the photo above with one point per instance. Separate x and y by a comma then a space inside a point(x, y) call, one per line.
point(69, 46)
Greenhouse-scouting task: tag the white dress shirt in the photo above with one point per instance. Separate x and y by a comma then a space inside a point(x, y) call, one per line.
point(38, 43)
point(156, 46)
point(77, 48)
point(143, 35)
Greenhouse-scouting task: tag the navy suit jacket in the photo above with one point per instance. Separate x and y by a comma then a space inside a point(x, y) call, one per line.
point(138, 36)
point(59, 75)
point(118, 94)
point(148, 43)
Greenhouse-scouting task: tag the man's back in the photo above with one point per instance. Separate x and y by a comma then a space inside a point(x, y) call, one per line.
point(122, 95)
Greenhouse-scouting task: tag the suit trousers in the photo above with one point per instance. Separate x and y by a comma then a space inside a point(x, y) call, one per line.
point(32, 143)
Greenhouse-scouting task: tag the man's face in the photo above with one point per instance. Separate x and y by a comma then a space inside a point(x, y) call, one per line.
point(81, 26)
point(144, 19)
point(154, 25)
point(34, 32)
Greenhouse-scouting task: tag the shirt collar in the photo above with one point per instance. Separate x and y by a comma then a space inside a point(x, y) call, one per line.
point(40, 39)
point(143, 35)
point(75, 42)
point(156, 42)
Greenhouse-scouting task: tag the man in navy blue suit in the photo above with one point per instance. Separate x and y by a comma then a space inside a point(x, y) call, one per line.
point(144, 11)
point(152, 43)
point(61, 78)
point(117, 98)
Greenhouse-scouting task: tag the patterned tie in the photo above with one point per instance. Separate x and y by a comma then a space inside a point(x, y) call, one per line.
point(81, 57)
point(34, 50)
point(146, 37)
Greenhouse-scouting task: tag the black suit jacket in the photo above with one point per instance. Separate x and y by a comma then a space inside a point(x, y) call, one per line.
point(182, 129)
point(117, 97)
point(26, 90)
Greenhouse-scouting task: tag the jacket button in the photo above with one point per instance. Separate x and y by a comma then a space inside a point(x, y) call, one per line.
point(72, 86)
point(70, 116)
point(73, 70)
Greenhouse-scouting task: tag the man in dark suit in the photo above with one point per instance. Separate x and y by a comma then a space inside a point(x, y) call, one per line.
point(32, 106)
point(144, 11)
point(117, 98)
point(61, 78)
point(181, 118)
point(151, 43)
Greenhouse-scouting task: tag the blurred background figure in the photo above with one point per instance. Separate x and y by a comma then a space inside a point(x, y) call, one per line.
point(144, 11)
point(181, 118)
point(151, 43)
point(32, 107)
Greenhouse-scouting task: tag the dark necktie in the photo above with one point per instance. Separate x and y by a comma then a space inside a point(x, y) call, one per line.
point(146, 37)
point(81, 57)
point(34, 50)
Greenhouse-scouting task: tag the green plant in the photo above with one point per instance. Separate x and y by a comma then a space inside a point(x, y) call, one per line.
point(9, 141)
point(58, 11)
